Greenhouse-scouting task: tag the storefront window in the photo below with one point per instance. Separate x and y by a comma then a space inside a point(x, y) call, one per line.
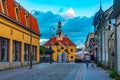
point(3, 50)
point(26, 52)
point(16, 51)
point(34, 50)
point(0, 49)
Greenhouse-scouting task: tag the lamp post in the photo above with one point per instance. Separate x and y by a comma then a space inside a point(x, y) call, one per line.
point(31, 41)
point(50, 45)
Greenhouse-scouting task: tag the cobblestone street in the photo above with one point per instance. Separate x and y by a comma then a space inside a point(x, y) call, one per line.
point(56, 71)
point(52, 72)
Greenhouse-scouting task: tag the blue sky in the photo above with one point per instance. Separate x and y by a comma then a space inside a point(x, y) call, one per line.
point(76, 16)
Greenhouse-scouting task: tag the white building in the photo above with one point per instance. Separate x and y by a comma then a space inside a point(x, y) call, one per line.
point(115, 21)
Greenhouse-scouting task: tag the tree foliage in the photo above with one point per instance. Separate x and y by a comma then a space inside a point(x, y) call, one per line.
point(42, 50)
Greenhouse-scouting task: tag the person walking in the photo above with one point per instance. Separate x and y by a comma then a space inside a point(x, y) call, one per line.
point(92, 60)
point(87, 60)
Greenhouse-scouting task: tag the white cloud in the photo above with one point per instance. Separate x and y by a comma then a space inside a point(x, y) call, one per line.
point(70, 13)
point(79, 44)
point(42, 41)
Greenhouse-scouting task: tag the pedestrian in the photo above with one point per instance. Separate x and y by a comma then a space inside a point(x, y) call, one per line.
point(92, 59)
point(87, 60)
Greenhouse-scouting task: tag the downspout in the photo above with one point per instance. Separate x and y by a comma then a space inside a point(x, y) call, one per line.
point(116, 58)
point(101, 47)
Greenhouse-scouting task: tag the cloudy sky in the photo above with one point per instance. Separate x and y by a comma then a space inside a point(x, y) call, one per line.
point(76, 16)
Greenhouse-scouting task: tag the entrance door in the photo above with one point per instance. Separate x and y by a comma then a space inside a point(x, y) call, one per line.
point(62, 58)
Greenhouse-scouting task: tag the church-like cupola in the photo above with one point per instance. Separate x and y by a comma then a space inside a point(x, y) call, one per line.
point(59, 32)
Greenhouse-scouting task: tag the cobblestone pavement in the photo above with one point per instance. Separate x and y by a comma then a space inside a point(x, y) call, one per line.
point(94, 73)
point(56, 71)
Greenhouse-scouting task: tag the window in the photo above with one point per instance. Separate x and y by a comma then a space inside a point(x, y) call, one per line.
point(4, 43)
point(16, 51)
point(58, 50)
point(26, 52)
point(71, 50)
point(0, 49)
point(26, 19)
point(66, 44)
point(17, 12)
point(51, 44)
point(71, 57)
point(4, 6)
point(34, 50)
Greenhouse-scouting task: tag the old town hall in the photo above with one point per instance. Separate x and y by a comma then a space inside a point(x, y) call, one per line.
point(64, 48)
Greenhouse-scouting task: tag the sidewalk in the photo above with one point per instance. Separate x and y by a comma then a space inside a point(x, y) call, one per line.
point(14, 72)
point(93, 73)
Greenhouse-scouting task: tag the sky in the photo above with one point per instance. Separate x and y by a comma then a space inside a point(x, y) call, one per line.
point(76, 17)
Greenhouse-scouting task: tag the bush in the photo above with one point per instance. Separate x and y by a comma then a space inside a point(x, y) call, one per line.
point(113, 74)
point(117, 78)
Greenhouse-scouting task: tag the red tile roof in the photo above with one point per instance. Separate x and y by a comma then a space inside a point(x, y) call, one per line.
point(62, 42)
point(10, 8)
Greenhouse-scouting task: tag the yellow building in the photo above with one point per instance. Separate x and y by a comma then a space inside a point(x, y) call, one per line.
point(16, 24)
point(64, 48)
point(90, 36)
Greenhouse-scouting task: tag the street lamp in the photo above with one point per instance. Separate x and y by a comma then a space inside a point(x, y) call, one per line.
point(31, 40)
point(50, 45)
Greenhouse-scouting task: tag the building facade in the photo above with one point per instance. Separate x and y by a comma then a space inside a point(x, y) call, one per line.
point(107, 38)
point(115, 22)
point(107, 35)
point(18, 30)
point(64, 48)
point(87, 42)
point(118, 43)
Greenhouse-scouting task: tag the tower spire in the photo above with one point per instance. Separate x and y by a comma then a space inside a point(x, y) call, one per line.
point(59, 29)
point(100, 4)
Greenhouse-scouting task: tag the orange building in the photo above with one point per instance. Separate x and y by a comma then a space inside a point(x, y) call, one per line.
point(64, 48)
point(16, 24)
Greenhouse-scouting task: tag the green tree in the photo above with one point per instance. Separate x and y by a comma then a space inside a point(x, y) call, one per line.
point(42, 50)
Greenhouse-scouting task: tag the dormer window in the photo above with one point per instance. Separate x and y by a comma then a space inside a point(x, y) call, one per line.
point(17, 12)
point(4, 6)
point(26, 19)
point(51, 44)
point(66, 44)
